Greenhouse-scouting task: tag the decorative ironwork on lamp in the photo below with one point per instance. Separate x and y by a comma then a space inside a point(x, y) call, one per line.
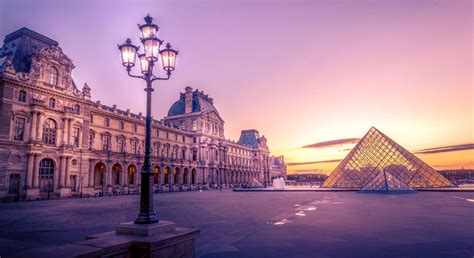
point(152, 53)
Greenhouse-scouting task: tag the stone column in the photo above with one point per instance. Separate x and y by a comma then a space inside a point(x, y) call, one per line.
point(210, 175)
point(30, 170)
point(33, 125)
point(36, 170)
point(59, 174)
point(79, 140)
point(181, 176)
point(161, 177)
point(67, 181)
point(91, 173)
point(226, 176)
point(69, 128)
point(39, 133)
point(108, 174)
point(203, 176)
point(123, 176)
point(190, 176)
point(64, 131)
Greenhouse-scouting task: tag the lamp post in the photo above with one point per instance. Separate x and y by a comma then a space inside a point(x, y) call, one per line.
point(152, 53)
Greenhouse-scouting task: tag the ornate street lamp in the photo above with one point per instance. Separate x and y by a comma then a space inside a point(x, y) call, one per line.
point(152, 53)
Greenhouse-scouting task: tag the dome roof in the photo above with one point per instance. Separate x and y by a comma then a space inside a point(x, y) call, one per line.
point(200, 103)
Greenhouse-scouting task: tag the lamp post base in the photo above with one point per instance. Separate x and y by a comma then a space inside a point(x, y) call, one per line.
point(146, 219)
point(132, 228)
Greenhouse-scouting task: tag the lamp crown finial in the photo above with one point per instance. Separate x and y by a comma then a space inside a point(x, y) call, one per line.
point(148, 19)
point(168, 45)
point(128, 41)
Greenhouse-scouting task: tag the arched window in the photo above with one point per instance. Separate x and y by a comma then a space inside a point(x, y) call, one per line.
point(99, 171)
point(131, 174)
point(53, 76)
point(166, 175)
point(22, 96)
point(116, 171)
point(156, 174)
point(52, 103)
point(49, 131)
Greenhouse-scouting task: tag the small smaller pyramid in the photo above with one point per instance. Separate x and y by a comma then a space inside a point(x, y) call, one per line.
point(254, 183)
point(384, 181)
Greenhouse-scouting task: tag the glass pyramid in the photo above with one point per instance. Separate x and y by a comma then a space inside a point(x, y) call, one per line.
point(376, 155)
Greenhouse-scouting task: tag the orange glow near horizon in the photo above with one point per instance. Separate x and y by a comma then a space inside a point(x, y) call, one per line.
point(319, 70)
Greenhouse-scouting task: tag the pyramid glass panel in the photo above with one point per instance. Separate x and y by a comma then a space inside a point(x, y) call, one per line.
point(386, 182)
point(375, 155)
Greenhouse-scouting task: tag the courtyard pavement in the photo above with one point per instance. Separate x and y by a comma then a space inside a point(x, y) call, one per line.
point(264, 224)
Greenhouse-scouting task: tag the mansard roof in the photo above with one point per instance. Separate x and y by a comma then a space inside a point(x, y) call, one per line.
point(200, 103)
point(252, 138)
point(18, 46)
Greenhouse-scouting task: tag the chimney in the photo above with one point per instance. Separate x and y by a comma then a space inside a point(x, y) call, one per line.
point(188, 97)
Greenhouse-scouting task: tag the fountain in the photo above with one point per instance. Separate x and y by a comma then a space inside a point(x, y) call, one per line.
point(279, 183)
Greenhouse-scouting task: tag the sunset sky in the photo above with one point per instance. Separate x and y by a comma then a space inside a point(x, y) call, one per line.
point(301, 72)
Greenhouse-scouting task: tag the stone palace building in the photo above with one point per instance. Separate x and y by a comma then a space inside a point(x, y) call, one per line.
point(54, 140)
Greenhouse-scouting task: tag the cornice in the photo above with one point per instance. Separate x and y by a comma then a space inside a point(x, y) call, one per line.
point(39, 89)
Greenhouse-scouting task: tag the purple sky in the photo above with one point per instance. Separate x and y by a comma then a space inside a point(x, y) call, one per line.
point(299, 71)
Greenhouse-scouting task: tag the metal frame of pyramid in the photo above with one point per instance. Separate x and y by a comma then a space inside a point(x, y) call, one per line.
point(385, 182)
point(376, 153)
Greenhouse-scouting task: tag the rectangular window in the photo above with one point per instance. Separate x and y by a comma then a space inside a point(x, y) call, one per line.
point(120, 145)
point(105, 143)
point(194, 140)
point(75, 136)
point(22, 96)
point(157, 132)
point(92, 118)
point(184, 139)
point(194, 155)
point(183, 154)
point(19, 129)
point(155, 149)
point(91, 141)
point(134, 147)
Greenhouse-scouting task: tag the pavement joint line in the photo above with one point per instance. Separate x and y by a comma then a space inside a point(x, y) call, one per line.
point(230, 238)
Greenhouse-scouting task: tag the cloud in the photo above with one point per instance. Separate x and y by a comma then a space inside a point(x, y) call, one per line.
point(333, 143)
point(312, 162)
point(461, 147)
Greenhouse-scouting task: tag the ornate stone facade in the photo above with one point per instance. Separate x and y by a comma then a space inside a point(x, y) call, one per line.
point(54, 140)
